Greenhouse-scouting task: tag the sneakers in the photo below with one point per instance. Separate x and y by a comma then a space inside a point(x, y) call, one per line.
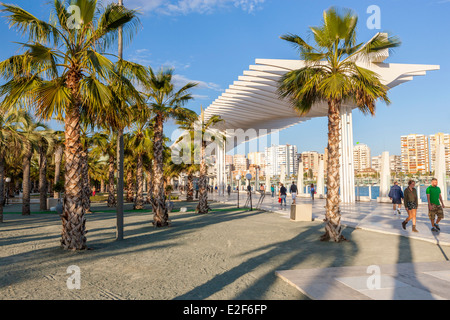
point(434, 229)
point(437, 227)
point(398, 211)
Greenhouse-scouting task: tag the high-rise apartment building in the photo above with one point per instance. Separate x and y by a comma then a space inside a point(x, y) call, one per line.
point(361, 157)
point(440, 138)
point(277, 156)
point(415, 153)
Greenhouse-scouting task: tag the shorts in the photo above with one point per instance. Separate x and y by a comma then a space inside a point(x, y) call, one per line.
point(396, 200)
point(294, 195)
point(410, 205)
point(436, 211)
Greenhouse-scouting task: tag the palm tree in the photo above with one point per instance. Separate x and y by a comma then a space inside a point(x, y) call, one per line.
point(10, 141)
point(46, 145)
point(332, 74)
point(30, 131)
point(59, 151)
point(61, 72)
point(197, 127)
point(165, 102)
point(140, 142)
point(105, 145)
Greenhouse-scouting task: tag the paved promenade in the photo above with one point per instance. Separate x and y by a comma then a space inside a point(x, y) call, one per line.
point(401, 281)
point(373, 216)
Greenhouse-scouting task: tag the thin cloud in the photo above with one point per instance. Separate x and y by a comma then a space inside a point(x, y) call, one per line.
point(180, 80)
point(184, 7)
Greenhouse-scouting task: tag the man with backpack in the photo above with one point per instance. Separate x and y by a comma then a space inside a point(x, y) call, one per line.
point(293, 191)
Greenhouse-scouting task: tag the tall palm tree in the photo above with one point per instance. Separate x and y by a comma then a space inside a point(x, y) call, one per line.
point(198, 127)
point(30, 131)
point(165, 102)
point(61, 73)
point(10, 142)
point(335, 73)
point(140, 142)
point(59, 151)
point(46, 145)
point(105, 145)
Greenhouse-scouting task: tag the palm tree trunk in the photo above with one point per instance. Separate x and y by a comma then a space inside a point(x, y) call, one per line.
point(150, 183)
point(190, 187)
point(85, 180)
point(332, 219)
point(129, 185)
point(42, 179)
point(102, 186)
point(2, 185)
point(26, 184)
point(111, 197)
point(139, 201)
point(160, 214)
point(58, 159)
point(202, 206)
point(74, 231)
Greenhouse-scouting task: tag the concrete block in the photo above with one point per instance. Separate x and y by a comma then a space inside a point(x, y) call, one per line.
point(301, 212)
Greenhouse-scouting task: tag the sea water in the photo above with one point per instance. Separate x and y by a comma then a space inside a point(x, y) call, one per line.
point(364, 192)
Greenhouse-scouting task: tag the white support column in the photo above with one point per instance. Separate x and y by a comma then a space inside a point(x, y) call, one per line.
point(320, 179)
point(300, 185)
point(385, 175)
point(224, 170)
point(347, 171)
point(440, 173)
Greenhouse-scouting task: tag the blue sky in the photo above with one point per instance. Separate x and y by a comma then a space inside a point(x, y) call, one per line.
point(213, 41)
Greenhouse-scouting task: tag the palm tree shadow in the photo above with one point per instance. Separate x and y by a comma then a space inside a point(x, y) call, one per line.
point(406, 273)
point(297, 247)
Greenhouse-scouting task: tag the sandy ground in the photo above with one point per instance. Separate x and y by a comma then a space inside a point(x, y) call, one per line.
point(228, 254)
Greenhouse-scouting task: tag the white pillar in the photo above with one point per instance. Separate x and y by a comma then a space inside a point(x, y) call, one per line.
point(346, 171)
point(283, 174)
point(224, 169)
point(300, 185)
point(440, 173)
point(320, 179)
point(385, 175)
point(418, 191)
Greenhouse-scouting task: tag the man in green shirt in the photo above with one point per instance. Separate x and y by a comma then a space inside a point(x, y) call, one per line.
point(435, 205)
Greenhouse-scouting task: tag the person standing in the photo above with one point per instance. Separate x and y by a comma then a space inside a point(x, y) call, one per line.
point(293, 191)
point(396, 195)
point(313, 191)
point(435, 205)
point(411, 201)
point(262, 189)
point(197, 189)
point(272, 189)
point(229, 190)
point(283, 193)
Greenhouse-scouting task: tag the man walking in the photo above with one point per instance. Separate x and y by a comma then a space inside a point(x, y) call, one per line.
point(293, 191)
point(396, 195)
point(282, 193)
point(435, 205)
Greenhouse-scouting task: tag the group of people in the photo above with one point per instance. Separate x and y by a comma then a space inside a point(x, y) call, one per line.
point(411, 202)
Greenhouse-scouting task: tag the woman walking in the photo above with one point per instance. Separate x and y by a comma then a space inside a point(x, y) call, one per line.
point(411, 203)
point(312, 190)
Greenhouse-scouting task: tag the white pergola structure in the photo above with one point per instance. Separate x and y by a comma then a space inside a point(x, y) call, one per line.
point(252, 102)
